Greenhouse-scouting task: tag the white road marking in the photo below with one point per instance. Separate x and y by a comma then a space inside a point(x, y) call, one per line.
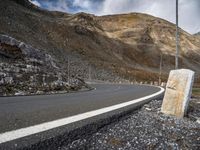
point(23, 132)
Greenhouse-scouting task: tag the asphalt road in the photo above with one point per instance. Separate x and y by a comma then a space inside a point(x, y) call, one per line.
point(25, 111)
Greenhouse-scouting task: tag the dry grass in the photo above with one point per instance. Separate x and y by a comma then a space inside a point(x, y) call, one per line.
point(196, 92)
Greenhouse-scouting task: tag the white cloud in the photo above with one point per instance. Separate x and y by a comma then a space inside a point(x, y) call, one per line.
point(35, 2)
point(59, 5)
point(189, 10)
point(82, 4)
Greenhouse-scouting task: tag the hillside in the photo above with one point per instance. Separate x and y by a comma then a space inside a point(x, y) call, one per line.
point(126, 46)
point(197, 34)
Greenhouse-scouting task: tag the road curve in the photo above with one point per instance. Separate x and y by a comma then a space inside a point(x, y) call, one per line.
point(21, 112)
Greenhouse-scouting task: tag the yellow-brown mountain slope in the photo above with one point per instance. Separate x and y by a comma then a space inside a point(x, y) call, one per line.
point(127, 45)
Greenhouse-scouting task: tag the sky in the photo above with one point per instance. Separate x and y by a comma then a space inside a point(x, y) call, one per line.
point(189, 10)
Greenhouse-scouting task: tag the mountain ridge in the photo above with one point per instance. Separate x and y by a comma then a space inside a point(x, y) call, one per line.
point(127, 45)
point(197, 34)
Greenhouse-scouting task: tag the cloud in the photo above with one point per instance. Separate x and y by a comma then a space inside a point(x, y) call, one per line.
point(82, 4)
point(89, 6)
point(58, 5)
point(35, 2)
point(189, 10)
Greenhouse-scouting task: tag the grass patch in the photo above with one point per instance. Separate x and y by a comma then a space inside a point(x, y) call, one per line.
point(196, 91)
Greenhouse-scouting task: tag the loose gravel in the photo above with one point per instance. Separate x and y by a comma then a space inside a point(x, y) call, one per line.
point(146, 128)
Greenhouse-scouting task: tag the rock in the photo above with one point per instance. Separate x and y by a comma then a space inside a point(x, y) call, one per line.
point(178, 92)
point(39, 92)
point(8, 80)
point(20, 93)
point(148, 109)
point(2, 82)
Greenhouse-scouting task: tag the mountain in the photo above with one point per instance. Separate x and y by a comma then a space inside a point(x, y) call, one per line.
point(113, 47)
point(197, 34)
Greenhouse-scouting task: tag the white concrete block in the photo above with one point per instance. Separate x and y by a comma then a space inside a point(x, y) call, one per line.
point(178, 92)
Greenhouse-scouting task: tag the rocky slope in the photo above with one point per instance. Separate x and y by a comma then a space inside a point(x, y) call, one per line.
point(127, 46)
point(25, 70)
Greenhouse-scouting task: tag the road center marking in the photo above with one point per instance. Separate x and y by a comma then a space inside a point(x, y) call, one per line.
point(23, 132)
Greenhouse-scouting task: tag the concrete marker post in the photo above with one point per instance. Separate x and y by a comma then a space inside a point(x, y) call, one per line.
point(178, 92)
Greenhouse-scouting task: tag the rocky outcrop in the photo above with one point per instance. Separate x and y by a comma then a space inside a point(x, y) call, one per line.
point(25, 70)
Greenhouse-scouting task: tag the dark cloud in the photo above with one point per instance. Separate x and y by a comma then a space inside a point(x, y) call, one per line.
point(189, 12)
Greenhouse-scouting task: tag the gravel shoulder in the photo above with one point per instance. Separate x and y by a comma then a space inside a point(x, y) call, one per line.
point(146, 128)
